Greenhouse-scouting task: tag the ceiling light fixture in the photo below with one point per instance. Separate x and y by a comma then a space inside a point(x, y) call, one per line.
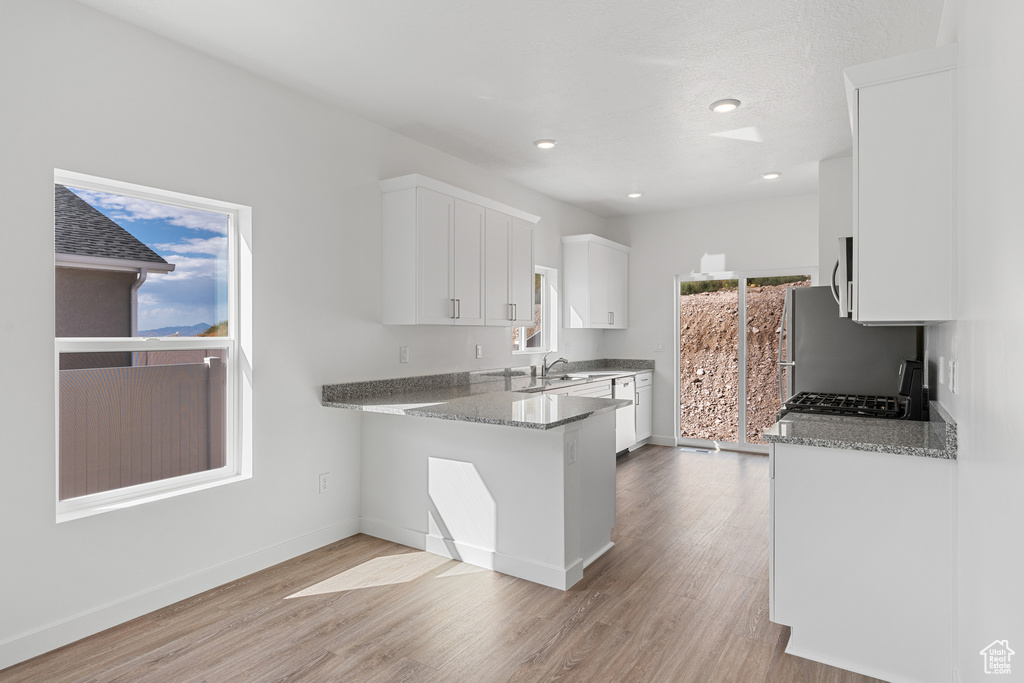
point(771, 175)
point(725, 106)
point(635, 195)
point(545, 144)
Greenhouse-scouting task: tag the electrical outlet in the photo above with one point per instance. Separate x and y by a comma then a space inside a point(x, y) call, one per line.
point(479, 350)
point(572, 452)
point(403, 354)
point(954, 380)
point(323, 482)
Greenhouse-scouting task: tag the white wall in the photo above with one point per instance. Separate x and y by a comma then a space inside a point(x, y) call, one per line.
point(986, 339)
point(835, 211)
point(87, 93)
point(756, 235)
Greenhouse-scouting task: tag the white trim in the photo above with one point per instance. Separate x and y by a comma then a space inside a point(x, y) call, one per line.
point(549, 314)
point(106, 263)
point(943, 58)
point(544, 574)
point(51, 636)
point(130, 496)
point(868, 671)
point(597, 239)
point(91, 182)
point(414, 180)
point(239, 366)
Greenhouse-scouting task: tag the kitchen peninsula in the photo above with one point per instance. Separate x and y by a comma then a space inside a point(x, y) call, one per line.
point(492, 468)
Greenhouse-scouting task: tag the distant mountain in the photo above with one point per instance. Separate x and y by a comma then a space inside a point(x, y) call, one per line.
point(190, 331)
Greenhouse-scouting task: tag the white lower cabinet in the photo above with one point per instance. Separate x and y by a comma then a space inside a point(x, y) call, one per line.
point(644, 412)
point(861, 559)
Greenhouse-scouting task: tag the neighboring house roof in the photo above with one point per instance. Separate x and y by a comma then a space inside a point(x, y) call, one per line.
point(84, 237)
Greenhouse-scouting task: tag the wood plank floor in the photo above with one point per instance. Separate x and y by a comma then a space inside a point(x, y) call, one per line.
point(683, 596)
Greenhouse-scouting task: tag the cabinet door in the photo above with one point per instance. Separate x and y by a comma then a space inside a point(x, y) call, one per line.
point(434, 216)
point(498, 308)
point(862, 558)
point(521, 271)
point(644, 414)
point(468, 260)
point(600, 265)
point(618, 284)
point(905, 200)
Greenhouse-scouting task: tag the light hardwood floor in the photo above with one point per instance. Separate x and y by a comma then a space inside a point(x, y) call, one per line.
point(683, 596)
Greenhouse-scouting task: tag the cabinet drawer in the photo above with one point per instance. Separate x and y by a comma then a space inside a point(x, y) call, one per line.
point(644, 379)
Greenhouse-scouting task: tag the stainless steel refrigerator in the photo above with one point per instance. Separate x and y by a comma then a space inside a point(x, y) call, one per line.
point(823, 352)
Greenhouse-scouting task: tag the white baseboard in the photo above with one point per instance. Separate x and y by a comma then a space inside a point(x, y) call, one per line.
point(544, 574)
point(662, 441)
point(36, 642)
point(848, 666)
point(598, 554)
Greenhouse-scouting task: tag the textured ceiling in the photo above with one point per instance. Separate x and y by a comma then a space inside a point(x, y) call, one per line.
point(623, 86)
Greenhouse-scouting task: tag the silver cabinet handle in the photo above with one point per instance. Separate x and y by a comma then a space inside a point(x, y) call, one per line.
point(515, 312)
point(511, 316)
point(611, 317)
point(458, 308)
point(637, 401)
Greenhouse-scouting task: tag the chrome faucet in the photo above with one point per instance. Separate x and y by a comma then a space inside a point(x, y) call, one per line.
point(544, 363)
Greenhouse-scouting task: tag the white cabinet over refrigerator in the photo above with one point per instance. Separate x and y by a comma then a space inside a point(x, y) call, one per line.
point(903, 117)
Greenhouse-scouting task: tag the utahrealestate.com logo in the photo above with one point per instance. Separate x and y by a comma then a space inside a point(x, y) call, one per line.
point(997, 657)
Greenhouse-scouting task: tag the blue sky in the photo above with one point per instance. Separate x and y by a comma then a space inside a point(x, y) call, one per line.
point(194, 241)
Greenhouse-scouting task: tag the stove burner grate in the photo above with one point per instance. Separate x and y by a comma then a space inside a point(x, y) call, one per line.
point(845, 404)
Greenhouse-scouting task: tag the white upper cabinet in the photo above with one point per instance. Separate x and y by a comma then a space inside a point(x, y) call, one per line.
point(596, 282)
point(521, 282)
point(468, 259)
point(903, 114)
point(509, 266)
point(452, 257)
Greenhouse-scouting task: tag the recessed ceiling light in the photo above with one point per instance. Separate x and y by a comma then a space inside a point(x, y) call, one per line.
point(635, 195)
point(545, 144)
point(771, 175)
point(725, 106)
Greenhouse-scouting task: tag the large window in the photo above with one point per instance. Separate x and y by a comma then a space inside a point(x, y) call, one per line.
point(151, 309)
point(542, 336)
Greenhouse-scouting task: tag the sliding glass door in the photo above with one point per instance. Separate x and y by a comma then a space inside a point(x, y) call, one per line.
point(728, 351)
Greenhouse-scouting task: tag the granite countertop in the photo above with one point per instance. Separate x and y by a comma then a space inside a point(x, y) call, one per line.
point(506, 396)
point(935, 438)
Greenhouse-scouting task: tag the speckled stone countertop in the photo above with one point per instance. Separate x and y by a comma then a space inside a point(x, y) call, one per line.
point(506, 396)
point(933, 439)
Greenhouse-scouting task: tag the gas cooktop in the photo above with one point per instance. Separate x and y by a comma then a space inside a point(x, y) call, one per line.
point(844, 404)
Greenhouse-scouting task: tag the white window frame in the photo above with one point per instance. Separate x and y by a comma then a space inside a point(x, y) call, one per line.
point(549, 314)
point(238, 454)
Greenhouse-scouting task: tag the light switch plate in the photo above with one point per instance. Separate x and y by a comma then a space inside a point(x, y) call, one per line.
point(403, 354)
point(479, 350)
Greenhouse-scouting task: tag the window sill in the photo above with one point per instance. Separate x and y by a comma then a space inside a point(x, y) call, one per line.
point(108, 501)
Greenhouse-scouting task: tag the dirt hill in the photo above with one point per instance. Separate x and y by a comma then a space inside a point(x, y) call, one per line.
point(708, 362)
